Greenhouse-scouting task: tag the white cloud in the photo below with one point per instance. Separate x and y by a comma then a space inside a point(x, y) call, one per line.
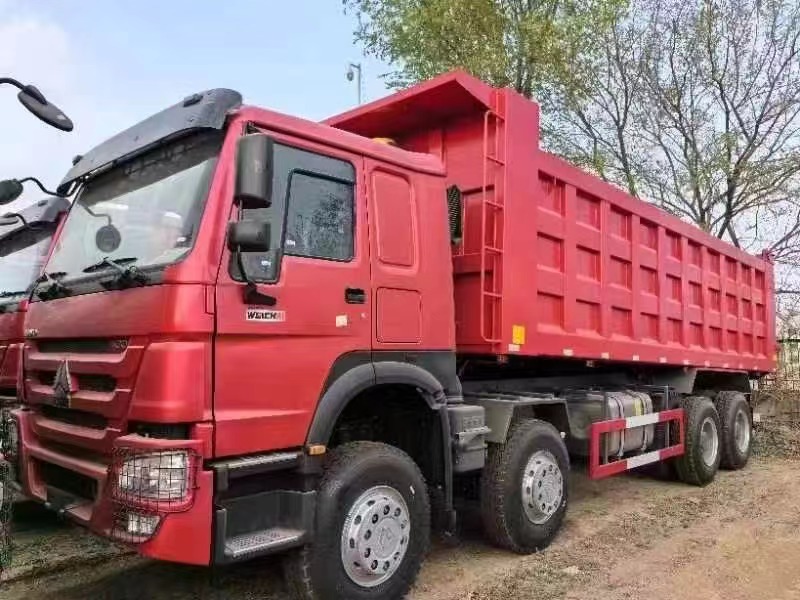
point(35, 50)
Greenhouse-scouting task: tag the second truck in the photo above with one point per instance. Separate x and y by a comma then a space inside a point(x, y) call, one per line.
point(259, 334)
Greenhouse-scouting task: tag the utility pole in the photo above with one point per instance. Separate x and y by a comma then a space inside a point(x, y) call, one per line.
point(354, 71)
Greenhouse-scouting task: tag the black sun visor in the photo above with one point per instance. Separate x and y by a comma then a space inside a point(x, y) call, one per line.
point(206, 110)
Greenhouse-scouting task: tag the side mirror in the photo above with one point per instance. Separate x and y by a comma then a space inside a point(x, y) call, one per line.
point(249, 236)
point(34, 101)
point(254, 171)
point(10, 190)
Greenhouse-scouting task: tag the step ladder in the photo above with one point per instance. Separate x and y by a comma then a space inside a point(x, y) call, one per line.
point(492, 222)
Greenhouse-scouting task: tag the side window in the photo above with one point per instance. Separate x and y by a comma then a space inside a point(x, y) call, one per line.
point(319, 220)
point(312, 213)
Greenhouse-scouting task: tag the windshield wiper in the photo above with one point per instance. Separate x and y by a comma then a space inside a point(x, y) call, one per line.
point(113, 263)
point(56, 289)
point(126, 276)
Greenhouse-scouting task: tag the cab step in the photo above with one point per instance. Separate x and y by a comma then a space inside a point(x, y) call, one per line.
point(263, 542)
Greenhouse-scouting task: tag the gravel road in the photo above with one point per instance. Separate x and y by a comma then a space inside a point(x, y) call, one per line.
point(625, 537)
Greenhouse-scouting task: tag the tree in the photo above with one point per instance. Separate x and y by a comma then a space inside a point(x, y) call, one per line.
point(525, 44)
point(697, 106)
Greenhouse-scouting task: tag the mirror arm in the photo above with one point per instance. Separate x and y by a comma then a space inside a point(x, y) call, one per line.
point(13, 82)
point(40, 185)
point(250, 293)
point(16, 217)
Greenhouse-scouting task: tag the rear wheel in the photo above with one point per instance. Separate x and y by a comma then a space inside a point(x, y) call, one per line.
point(734, 413)
point(372, 527)
point(700, 461)
point(524, 487)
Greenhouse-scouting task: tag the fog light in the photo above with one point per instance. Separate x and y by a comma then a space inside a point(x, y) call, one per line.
point(142, 525)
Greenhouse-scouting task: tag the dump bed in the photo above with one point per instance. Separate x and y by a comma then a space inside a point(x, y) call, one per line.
point(555, 262)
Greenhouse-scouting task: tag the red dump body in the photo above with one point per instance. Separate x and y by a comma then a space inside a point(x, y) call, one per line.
point(555, 262)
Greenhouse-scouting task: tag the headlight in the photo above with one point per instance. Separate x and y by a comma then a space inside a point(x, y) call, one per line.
point(161, 476)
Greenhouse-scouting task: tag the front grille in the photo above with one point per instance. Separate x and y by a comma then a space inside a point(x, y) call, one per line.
point(45, 377)
point(89, 382)
point(96, 383)
point(74, 417)
point(82, 346)
point(68, 481)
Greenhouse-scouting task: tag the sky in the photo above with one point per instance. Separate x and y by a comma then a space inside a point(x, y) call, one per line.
point(110, 64)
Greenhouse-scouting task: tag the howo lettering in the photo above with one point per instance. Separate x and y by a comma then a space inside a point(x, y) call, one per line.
point(292, 337)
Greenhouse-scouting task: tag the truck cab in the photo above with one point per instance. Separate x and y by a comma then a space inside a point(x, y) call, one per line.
point(25, 241)
point(154, 337)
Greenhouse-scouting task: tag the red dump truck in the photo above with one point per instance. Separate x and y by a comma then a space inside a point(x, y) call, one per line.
point(259, 334)
point(25, 241)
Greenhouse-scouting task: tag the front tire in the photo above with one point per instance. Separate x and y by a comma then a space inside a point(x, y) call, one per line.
point(736, 433)
point(524, 487)
point(700, 461)
point(372, 527)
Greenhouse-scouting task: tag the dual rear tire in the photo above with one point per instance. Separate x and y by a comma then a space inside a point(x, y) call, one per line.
point(717, 434)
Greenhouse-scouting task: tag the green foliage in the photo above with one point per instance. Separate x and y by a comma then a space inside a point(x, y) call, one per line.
point(529, 45)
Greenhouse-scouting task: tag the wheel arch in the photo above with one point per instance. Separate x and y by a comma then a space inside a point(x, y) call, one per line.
point(402, 404)
point(360, 379)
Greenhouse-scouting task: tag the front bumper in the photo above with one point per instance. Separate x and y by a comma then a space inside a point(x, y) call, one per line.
point(77, 486)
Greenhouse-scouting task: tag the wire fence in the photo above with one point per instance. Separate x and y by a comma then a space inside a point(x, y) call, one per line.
point(779, 396)
point(5, 516)
point(6, 494)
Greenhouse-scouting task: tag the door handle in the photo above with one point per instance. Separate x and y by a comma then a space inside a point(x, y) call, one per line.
point(355, 296)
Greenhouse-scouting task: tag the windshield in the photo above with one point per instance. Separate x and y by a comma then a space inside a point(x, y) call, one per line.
point(22, 256)
point(154, 202)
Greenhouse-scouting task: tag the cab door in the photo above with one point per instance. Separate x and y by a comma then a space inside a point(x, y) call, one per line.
point(271, 362)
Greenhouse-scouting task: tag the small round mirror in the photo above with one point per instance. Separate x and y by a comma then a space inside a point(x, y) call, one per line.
point(107, 238)
point(10, 190)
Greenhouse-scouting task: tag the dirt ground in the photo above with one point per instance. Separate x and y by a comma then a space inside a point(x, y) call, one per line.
point(626, 537)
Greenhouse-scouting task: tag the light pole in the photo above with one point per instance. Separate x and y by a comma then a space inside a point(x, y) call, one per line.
point(32, 99)
point(354, 71)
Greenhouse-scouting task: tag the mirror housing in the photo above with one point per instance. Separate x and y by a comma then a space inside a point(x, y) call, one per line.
point(32, 99)
point(249, 236)
point(254, 171)
point(10, 190)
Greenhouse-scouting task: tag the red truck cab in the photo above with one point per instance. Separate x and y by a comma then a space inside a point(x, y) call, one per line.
point(259, 335)
point(25, 241)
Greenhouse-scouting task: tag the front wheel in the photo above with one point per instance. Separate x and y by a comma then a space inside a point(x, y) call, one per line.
point(372, 527)
point(524, 487)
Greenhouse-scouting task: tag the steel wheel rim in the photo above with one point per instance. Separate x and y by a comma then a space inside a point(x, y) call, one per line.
point(741, 432)
point(709, 441)
point(542, 487)
point(375, 536)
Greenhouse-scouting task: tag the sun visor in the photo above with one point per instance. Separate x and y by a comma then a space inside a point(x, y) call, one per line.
point(45, 212)
point(206, 110)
